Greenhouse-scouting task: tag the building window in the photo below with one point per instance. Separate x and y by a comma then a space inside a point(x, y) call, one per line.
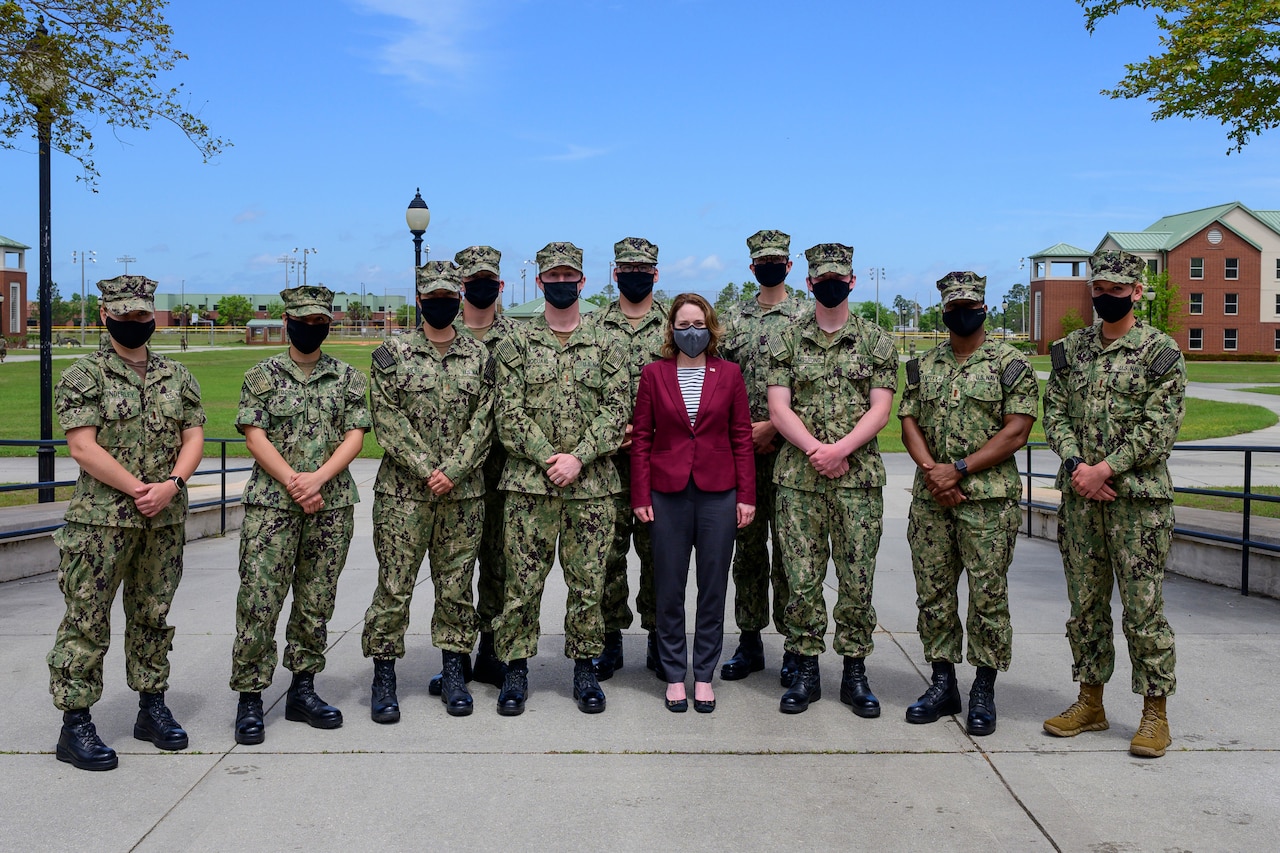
point(1197, 303)
point(1277, 267)
point(1232, 270)
point(1195, 339)
point(1153, 267)
point(1278, 340)
point(1231, 304)
point(15, 303)
point(1197, 267)
point(1229, 339)
point(1278, 303)
point(262, 308)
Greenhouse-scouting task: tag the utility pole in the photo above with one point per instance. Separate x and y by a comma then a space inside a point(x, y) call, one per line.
point(126, 260)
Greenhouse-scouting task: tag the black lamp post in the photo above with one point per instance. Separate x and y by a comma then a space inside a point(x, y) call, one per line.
point(418, 216)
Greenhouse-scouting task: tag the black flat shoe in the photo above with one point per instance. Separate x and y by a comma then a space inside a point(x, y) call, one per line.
point(704, 706)
point(676, 706)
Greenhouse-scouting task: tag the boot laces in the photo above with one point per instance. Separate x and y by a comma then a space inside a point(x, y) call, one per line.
point(938, 688)
point(251, 706)
point(87, 733)
point(160, 712)
point(515, 678)
point(585, 680)
point(1150, 723)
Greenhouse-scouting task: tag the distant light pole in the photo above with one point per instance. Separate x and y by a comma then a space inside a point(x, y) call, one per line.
point(418, 217)
point(305, 252)
point(524, 296)
point(1004, 318)
point(1149, 297)
point(93, 259)
point(523, 270)
point(126, 260)
point(877, 275)
point(288, 261)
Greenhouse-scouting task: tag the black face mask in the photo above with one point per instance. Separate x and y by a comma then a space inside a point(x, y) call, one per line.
point(305, 337)
point(771, 275)
point(964, 321)
point(482, 292)
point(635, 286)
point(692, 341)
point(439, 313)
point(1112, 309)
point(130, 334)
point(561, 294)
point(831, 291)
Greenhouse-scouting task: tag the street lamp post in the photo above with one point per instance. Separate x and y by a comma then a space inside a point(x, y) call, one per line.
point(1004, 318)
point(93, 259)
point(418, 217)
point(524, 295)
point(305, 252)
point(523, 270)
point(877, 275)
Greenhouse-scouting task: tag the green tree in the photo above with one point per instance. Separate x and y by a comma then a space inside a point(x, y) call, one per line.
point(110, 56)
point(599, 299)
point(1071, 321)
point(728, 295)
point(661, 296)
point(275, 309)
point(234, 310)
point(1015, 318)
point(358, 313)
point(402, 315)
point(1219, 60)
point(867, 311)
point(1164, 309)
point(62, 311)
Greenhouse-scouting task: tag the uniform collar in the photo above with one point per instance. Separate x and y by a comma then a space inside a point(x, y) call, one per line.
point(614, 314)
point(325, 364)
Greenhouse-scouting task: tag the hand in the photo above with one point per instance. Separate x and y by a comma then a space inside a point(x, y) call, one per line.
point(949, 497)
point(762, 436)
point(644, 513)
point(151, 498)
point(439, 484)
point(1093, 481)
point(940, 477)
point(564, 469)
point(626, 439)
point(304, 485)
point(312, 505)
point(746, 515)
point(829, 460)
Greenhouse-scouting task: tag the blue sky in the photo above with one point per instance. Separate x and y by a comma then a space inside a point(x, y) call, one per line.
point(930, 136)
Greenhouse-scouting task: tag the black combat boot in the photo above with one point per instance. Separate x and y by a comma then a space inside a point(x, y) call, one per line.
point(982, 703)
point(515, 687)
point(942, 697)
point(787, 675)
point(156, 724)
point(610, 660)
point(454, 695)
point(748, 658)
point(250, 727)
point(384, 707)
point(80, 746)
point(585, 687)
point(433, 686)
point(805, 688)
point(488, 669)
point(855, 691)
point(302, 705)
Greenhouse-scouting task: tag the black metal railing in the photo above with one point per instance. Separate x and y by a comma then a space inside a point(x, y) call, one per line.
point(1246, 495)
point(223, 500)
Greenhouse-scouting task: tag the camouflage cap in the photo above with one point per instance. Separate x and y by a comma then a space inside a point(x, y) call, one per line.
point(474, 260)
point(829, 257)
point(1116, 266)
point(559, 255)
point(438, 275)
point(634, 250)
point(126, 293)
point(769, 244)
point(308, 300)
point(963, 286)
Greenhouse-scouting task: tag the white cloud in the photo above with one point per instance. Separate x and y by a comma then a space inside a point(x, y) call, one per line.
point(577, 152)
point(430, 41)
point(249, 214)
point(691, 267)
point(711, 263)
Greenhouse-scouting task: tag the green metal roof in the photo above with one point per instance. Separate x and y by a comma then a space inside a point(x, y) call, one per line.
point(1139, 241)
point(6, 243)
point(1061, 250)
point(532, 308)
point(1271, 218)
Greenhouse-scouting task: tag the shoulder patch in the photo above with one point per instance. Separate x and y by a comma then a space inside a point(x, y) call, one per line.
point(508, 353)
point(614, 357)
point(1058, 355)
point(258, 381)
point(78, 378)
point(777, 345)
point(383, 357)
point(358, 382)
point(884, 349)
point(491, 371)
point(913, 372)
point(1163, 362)
point(1013, 372)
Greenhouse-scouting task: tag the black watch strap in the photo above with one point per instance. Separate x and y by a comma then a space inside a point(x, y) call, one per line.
point(1072, 464)
point(962, 468)
point(179, 482)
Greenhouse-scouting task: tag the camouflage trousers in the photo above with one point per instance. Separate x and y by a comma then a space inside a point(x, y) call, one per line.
point(1123, 542)
point(493, 567)
point(404, 532)
point(842, 526)
point(94, 562)
point(975, 538)
point(754, 569)
point(626, 529)
point(534, 523)
point(283, 551)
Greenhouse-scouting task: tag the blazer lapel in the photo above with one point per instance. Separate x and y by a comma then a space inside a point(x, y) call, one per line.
point(671, 384)
point(709, 379)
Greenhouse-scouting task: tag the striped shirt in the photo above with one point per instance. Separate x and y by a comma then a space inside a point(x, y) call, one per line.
point(691, 388)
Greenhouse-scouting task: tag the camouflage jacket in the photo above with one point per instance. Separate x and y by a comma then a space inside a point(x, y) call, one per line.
point(503, 327)
point(643, 343)
point(561, 400)
point(431, 412)
point(960, 406)
point(747, 325)
point(831, 386)
point(305, 418)
point(139, 424)
point(1123, 404)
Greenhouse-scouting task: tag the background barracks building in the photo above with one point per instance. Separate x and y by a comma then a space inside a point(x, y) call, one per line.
point(1224, 260)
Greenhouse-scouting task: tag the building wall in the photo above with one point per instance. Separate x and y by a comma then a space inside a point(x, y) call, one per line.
point(1255, 324)
point(1058, 297)
point(13, 314)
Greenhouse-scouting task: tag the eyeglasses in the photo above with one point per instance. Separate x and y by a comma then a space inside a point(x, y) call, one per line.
point(634, 267)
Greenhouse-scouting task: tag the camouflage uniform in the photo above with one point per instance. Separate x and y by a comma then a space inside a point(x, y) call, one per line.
point(831, 383)
point(283, 549)
point(429, 412)
point(1122, 403)
point(553, 399)
point(106, 540)
point(960, 406)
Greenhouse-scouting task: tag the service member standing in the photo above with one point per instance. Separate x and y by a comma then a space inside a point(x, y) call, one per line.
point(831, 385)
point(303, 414)
point(433, 415)
point(561, 411)
point(757, 556)
point(135, 427)
point(968, 406)
point(1112, 409)
point(637, 320)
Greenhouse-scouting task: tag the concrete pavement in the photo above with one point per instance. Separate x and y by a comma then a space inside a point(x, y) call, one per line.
point(638, 777)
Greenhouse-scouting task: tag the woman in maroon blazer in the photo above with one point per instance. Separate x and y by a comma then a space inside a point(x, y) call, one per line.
point(693, 479)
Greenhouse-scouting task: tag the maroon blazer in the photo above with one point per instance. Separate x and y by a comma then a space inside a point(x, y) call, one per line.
point(716, 451)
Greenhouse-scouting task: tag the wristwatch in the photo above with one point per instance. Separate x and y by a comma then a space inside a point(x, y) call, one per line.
point(961, 468)
point(179, 482)
point(1070, 465)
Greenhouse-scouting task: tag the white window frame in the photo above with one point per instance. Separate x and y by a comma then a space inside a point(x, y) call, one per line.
point(1195, 339)
point(1231, 269)
point(1194, 264)
point(1196, 305)
point(1234, 337)
point(1230, 304)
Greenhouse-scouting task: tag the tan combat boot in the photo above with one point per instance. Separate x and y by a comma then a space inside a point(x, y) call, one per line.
point(1152, 738)
point(1085, 715)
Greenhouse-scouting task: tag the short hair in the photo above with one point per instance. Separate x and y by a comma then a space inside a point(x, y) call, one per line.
point(669, 348)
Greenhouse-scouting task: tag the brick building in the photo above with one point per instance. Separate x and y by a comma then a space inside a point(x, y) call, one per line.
point(13, 288)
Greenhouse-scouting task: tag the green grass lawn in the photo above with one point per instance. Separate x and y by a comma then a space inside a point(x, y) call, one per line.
point(1211, 371)
point(1263, 389)
point(1263, 509)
